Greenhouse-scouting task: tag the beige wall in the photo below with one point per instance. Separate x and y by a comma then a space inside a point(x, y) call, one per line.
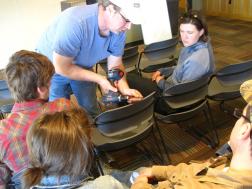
point(21, 24)
point(238, 9)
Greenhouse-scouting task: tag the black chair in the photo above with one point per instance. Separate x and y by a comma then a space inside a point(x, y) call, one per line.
point(157, 55)
point(6, 101)
point(186, 101)
point(125, 126)
point(130, 59)
point(225, 83)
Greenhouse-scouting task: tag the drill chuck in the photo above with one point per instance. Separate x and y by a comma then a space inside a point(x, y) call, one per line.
point(114, 98)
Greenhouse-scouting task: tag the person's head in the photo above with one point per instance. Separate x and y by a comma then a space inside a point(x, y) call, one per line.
point(192, 28)
point(121, 13)
point(241, 135)
point(59, 144)
point(28, 75)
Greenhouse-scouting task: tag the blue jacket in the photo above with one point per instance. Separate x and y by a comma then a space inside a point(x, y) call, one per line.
point(194, 62)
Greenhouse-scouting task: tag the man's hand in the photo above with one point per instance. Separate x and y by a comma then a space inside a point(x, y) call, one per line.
point(146, 172)
point(105, 85)
point(155, 75)
point(2, 186)
point(142, 178)
point(134, 95)
point(144, 175)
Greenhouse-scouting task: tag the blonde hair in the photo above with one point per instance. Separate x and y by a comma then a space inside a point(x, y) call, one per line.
point(59, 144)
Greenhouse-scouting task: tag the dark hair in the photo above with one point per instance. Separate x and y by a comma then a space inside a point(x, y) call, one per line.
point(193, 17)
point(25, 72)
point(59, 144)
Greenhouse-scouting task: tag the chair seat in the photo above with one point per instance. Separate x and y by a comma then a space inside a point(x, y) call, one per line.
point(153, 68)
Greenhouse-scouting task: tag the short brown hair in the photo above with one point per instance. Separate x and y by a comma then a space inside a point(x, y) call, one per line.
point(106, 3)
point(59, 144)
point(25, 72)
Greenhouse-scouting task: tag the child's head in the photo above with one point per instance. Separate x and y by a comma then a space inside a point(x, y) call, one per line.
point(59, 144)
point(26, 72)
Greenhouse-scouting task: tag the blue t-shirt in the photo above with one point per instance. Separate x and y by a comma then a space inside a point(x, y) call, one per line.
point(75, 33)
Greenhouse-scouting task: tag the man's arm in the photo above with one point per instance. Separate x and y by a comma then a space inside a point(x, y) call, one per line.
point(123, 86)
point(64, 66)
point(2, 186)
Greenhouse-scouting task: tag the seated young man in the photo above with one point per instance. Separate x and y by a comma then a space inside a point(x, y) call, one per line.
point(216, 173)
point(28, 76)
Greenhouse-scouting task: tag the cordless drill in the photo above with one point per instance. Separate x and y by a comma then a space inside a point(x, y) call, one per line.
point(111, 97)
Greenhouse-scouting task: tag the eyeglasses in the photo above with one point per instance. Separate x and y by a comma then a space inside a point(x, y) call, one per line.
point(238, 114)
point(126, 19)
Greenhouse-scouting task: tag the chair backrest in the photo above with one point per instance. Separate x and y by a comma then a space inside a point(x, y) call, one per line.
point(186, 94)
point(130, 59)
point(4, 91)
point(5, 95)
point(157, 53)
point(124, 119)
point(230, 78)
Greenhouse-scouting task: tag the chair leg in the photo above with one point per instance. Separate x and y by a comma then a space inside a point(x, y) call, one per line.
point(158, 146)
point(213, 124)
point(138, 65)
point(212, 141)
point(98, 163)
point(162, 141)
point(217, 142)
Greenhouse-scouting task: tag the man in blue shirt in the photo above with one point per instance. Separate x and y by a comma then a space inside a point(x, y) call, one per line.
point(82, 36)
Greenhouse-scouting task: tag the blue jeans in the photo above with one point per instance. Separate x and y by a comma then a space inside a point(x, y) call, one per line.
point(84, 91)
